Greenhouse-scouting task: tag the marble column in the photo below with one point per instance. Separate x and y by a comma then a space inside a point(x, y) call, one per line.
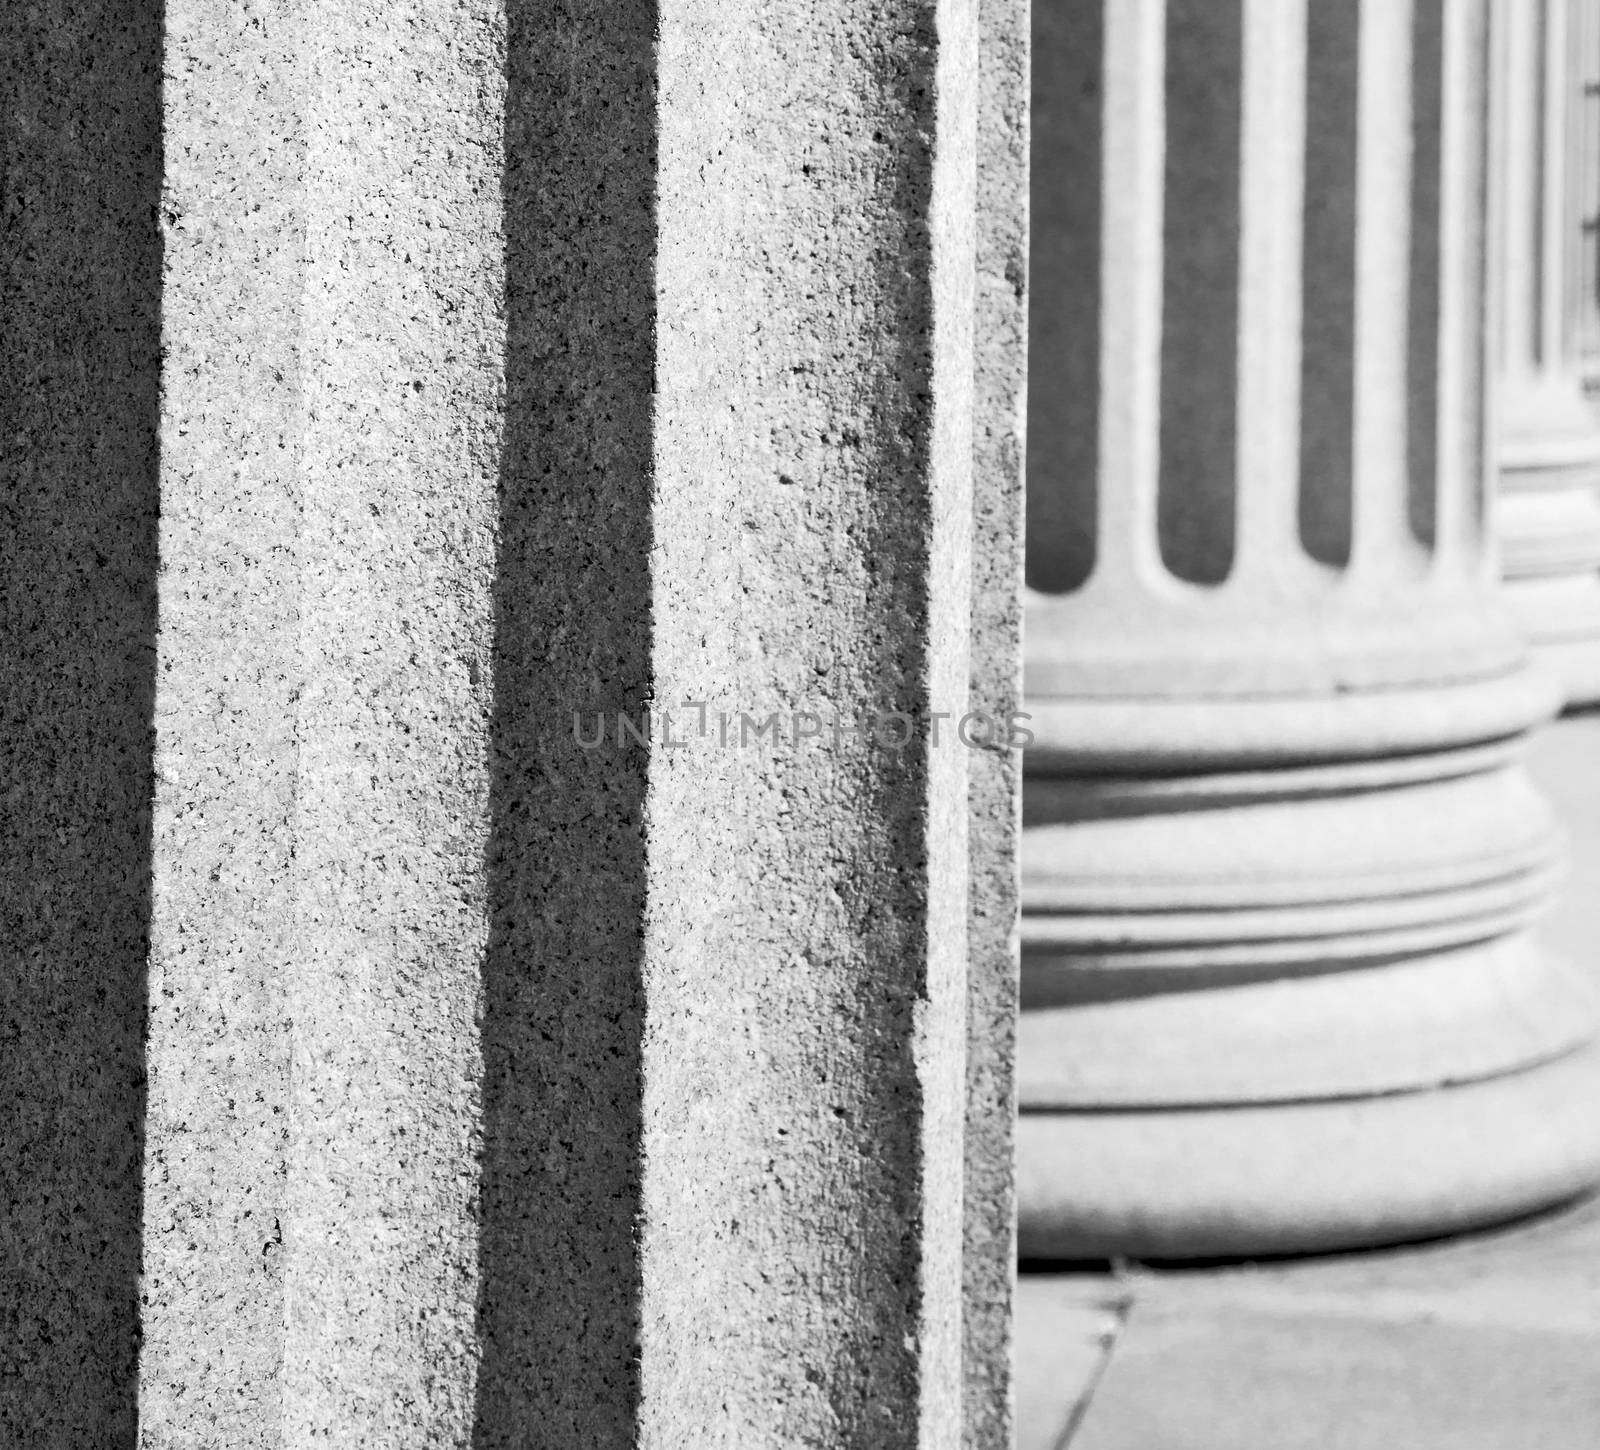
point(393, 1063)
point(1280, 862)
point(1549, 448)
point(1584, 155)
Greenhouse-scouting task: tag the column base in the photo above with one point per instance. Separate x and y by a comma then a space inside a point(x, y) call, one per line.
point(1296, 1008)
point(1560, 618)
point(1549, 527)
point(1312, 1177)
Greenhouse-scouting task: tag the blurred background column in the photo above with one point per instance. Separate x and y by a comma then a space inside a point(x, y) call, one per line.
point(1280, 861)
point(1585, 157)
point(1549, 449)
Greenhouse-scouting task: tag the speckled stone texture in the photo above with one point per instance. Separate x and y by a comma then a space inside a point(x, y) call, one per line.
point(558, 1306)
point(805, 949)
point(80, 278)
point(999, 448)
point(401, 343)
point(524, 360)
point(223, 928)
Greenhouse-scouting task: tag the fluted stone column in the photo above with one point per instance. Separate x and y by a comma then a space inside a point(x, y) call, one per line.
point(1584, 183)
point(1549, 452)
point(1280, 862)
point(396, 1064)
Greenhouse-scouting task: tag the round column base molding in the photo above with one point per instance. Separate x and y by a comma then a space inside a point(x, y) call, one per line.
point(1560, 618)
point(1082, 735)
point(1549, 437)
point(1470, 1014)
point(1575, 664)
point(1307, 1177)
point(1552, 534)
point(1344, 646)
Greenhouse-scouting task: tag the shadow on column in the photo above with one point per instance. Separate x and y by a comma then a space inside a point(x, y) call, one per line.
point(1064, 338)
point(559, 1300)
point(80, 277)
point(1197, 504)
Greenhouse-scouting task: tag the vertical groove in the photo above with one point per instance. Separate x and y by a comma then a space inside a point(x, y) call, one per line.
point(1064, 337)
point(1538, 159)
point(81, 164)
point(1479, 465)
point(560, 1274)
point(1328, 270)
point(1490, 312)
point(1423, 339)
point(1196, 507)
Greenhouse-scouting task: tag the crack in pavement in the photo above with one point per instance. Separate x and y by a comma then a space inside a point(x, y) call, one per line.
point(1120, 1311)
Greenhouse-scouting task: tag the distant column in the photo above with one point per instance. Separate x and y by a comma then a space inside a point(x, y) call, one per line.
point(1549, 455)
point(1279, 862)
point(1583, 153)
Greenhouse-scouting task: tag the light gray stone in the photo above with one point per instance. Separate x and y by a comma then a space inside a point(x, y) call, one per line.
point(1309, 1176)
point(1216, 1355)
point(1218, 1378)
point(999, 450)
point(1066, 1330)
point(599, 360)
point(223, 938)
point(1280, 863)
point(1548, 515)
